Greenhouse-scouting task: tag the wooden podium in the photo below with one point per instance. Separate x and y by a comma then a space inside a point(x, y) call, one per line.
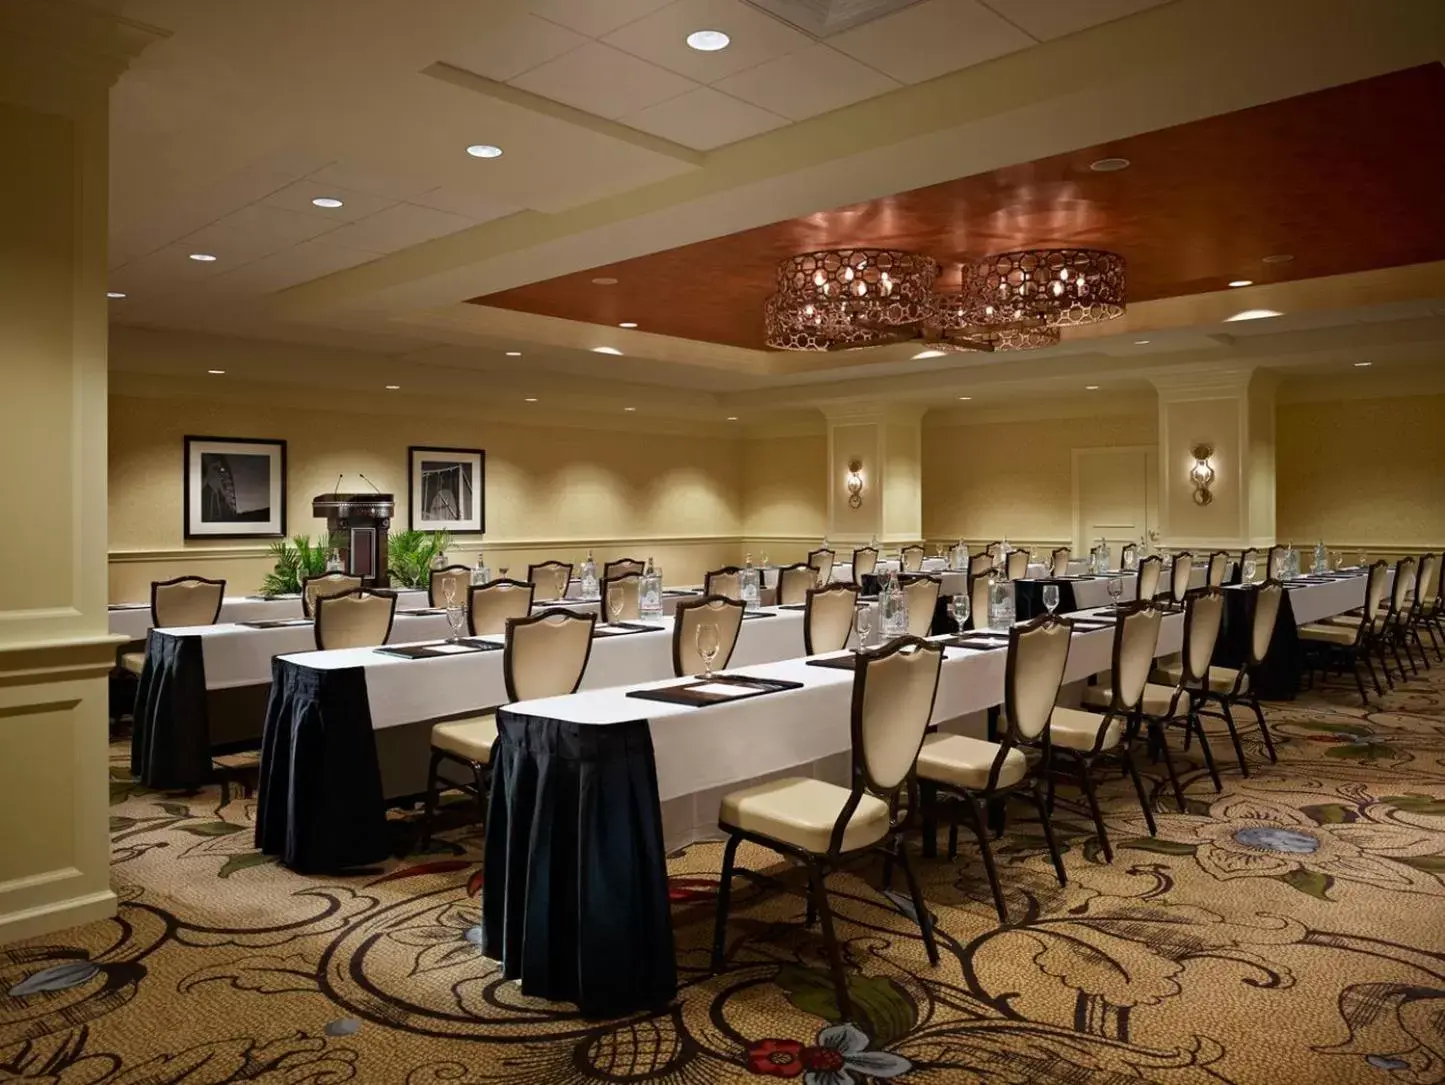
point(361, 521)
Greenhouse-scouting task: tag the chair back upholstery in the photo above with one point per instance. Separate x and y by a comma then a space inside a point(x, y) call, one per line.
point(921, 594)
point(1374, 593)
point(550, 579)
point(186, 600)
point(1038, 652)
point(1179, 576)
point(1404, 586)
point(865, 561)
point(725, 613)
point(1059, 561)
point(980, 564)
point(1203, 613)
point(1136, 639)
point(1276, 562)
point(725, 582)
point(912, 559)
point(546, 654)
point(1265, 602)
point(456, 577)
point(893, 693)
point(1218, 569)
point(1248, 554)
point(1016, 565)
point(978, 599)
point(627, 588)
point(491, 605)
point(795, 582)
point(1427, 587)
point(829, 618)
point(822, 560)
point(622, 566)
point(1147, 584)
point(358, 619)
point(1128, 555)
point(314, 587)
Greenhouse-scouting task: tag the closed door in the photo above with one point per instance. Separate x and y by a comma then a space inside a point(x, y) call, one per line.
point(1111, 495)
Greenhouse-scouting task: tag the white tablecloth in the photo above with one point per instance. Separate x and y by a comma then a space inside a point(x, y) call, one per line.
point(135, 619)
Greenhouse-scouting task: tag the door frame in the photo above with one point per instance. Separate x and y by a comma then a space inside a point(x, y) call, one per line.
point(1151, 487)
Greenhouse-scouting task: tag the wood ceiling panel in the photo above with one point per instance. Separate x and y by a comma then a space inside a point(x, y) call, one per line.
point(1345, 179)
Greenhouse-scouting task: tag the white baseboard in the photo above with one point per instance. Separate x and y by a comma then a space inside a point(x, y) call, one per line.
point(57, 915)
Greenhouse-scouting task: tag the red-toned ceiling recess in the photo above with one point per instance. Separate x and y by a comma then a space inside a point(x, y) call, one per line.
point(1345, 179)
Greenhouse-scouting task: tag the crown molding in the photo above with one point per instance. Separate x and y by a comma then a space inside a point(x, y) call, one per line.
point(59, 56)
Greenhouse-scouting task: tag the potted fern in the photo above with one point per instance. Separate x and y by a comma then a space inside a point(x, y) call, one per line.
point(411, 553)
point(296, 559)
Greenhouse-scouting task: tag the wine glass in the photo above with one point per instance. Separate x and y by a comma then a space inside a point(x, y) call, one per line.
point(457, 619)
point(560, 579)
point(449, 592)
point(1251, 566)
point(1115, 587)
point(614, 606)
point(708, 643)
point(958, 608)
point(1364, 559)
point(1051, 597)
point(765, 559)
point(864, 623)
point(502, 571)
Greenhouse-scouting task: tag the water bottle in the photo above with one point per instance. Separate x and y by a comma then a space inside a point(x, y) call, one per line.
point(960, 557)
point(748, 585)
point(1103, 554)
point(590, 587)
point(893, 607)
point(649, 598)
point(481, 574)
point(333, 563)
point(1093, 562)
point(1000, 603)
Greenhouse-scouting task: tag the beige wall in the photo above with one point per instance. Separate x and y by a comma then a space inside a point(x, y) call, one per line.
point(785, 499)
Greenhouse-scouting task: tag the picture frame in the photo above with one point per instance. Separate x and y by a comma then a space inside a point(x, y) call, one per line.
point(233, 487)
point(446, 489)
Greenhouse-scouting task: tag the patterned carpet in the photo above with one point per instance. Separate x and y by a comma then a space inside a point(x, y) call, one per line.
point(1291, 929)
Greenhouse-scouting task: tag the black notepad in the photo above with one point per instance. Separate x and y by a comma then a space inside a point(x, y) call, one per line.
point(719, 689)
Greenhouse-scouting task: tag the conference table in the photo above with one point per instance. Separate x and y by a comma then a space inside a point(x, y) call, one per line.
point(590, 791)
point(133, 620)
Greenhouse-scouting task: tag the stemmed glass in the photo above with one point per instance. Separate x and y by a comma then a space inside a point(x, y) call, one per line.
point(561, 582)
point(958, 609)
point(457, 619)
point(1250, 568)
point(708, 643)
point(864, 624)
point(1364, 559)
point(502, 571)
point(1051, 597)
point(614, 606)
point(1115, 587)
point(765, 559)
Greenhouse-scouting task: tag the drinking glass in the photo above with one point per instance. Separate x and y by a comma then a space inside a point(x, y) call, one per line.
point(561, 582)
point(1364, 559)
point(1250, 568)
point(707, 646)
point(1115, 588)
point(864, 622)
point(502, 571)
point(614, 606)
point(457, 619)
point(958, 608)
point(1051, 597)
point(765, 559)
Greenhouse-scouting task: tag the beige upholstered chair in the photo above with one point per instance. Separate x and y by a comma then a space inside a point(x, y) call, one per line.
point(726, 582)
point(1218, 569)
point(822, 560)
point(358, 619)
point(491, 605)
point(912, 559)
point(313, 587)
point(828, 620)
point(1016, 565)
point(821, 825)
point(1079, 739)
point(980, 588)
point(1388, 623)
point(1147, 583)
point(1425, 612)
point(1129, 555)
point(1352, 638)
point(625, 589)
point(1274, 569)
point(725, 613)
point(795, 582)
point(865, 562)
point(1059, 561)
point(447, 584)
point(1179, 574)
point(550, 579)
point(622, 567)
point(184, 601)
point(980, 564)
point(1161, 705)
point(973, 772)
point(546, 656)
point(921, 593)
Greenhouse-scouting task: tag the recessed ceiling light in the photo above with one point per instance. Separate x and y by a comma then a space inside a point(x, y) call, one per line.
point(732, 418)
point(1109, 165)
point(629, 408)
point(216, 372)
point(1253, 314)
point(1362, 365)
point(514, 354)
point(484, 150)
point(115, 294)
point(628, 324)
point(203, 257)
point(531, 399)
point(1091, 387)
point(604, 280)
point(605, 350)
point(929, 354)
point(964, 399)
point(327, 202)
point(1241, 282)
point(708, 41)
point(392, 387)
point(1141, 342)
point(1279, 258)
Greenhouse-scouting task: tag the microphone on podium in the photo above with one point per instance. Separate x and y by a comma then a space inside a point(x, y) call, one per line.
point(337, 488)
point(368, 481)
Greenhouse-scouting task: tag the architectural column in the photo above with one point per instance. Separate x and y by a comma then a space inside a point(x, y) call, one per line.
point(57, 62)
point(886, 444)
point(1231, 415)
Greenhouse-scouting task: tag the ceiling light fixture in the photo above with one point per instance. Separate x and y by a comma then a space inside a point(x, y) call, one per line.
point(1253, 314)
point(929, 354)
point(216, 372)
point(1279, 258)
point(628, 324)
point(1362, 365)
point(708, 41)
point(531, 399)
point(605, 350)
point(115, 295)
point(1091, 387)
point(629, 408)
point(1241, 282)
point(328, 202)
point(1141, 342)
point(732, 418)
point(1109, 165)
point(484, 150)
point(514, 354)
point(604, 280)
point(964, 399)
point(203, 257)
point(393, 387)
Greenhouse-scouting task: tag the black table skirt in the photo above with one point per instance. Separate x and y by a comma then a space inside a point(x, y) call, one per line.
point(319, 805)
point(170, 745)
point(1029, 598)
point(1277, 679)
point(575, 899)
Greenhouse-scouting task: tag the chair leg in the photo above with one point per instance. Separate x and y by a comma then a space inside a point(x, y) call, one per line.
point(1156, 736)
point(225, 792)
point(1375, 678)
point(953, 839)
point(1087, 779)
point(980, 829)
point(1234, 737)
point(928, 800)
point(1415, 636)
point(1133, 772)
point(1194, 721)
point(429, 811)
point(1360, 683)
point(920, 906)
point(1263, 727)
point(1047, 821)
point(830, 941)
point(481, 776)
point(724, 902)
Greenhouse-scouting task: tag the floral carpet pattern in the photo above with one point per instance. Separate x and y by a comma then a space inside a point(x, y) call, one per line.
point(1288, 929)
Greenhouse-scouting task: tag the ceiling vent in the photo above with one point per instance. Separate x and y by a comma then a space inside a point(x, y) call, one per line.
point(823, 18)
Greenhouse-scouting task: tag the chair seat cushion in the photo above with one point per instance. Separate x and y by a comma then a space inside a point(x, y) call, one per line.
point(802, 811)
point(1221, 679)
point(242, 761)
point(1343, 635)
point(1076, 730)
point(1156, 701)
point(470, 738)
point(960, 761)
point(135, 662)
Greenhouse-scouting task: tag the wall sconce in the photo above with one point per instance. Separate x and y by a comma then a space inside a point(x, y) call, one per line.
point(855, 484)
point(1202, 474)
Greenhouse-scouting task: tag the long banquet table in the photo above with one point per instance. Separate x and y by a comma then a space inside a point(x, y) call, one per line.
point(576, 823)
point(133, 620)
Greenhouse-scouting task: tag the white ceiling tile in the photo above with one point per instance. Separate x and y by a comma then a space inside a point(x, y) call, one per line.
point(932, 39)
point(662, 38)
point(398, 227)
point(382, 177)
point(603, 81)
point(703, 119)
point(594, 17)
point(279, 223)
point(465, 200)
point(298, 264)
point(232, 246)
point(354, 204)
point(509, 48)
point(803, 84)
point(1046, 19)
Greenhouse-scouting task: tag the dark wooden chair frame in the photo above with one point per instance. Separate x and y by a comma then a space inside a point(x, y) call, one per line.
point(475, 588)
point(677, 623)
point(1139, 578)
point(604, 592)
point(384, 593)
point(1249, 670)
point(552, 564)
point(1366, 644)
point(609, 568)
point(431, 581)
point(157, 584)
point(793, 568)
point(308, 607)
point(850, 589)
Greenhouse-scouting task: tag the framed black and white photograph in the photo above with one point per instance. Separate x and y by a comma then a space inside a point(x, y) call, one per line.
point(447, 489)
point(235, 488)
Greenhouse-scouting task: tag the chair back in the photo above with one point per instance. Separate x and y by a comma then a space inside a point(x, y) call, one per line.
point(314, 587)
point(921, 593)
point(491, 605)
point(1179, 576)
point(1128, 555)
point(627, 588)
point(1147, 581)
point(1016, 565)
point(822, 560)
point(828, 619)
point(621, 567)
point(358, 619)
point(1059, 561)
point(1275, 564)
point(894, 688)
point(1404, 586)
point(725, 613)
point(725, 581)
point(1203, 614)
point(1374, 594)
point(1136, 639)
point(865, 561)
point(546, 654)
point(186, 600)
point(1218, 569)
point(1264, 603)
point(1428, 584)
point(1248, 554)
point(455, 579)
point(912, 559)
point(795, 582)
point(1038, 652)
point(979, 590)
point(550, 580)
point(980, 564)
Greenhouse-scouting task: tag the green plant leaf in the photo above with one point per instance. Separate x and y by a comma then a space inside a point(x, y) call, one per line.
point(211, 828)
point(1411, 803)
point(244, 862)
point(1432, 864)
point(881, 1008)
point(1161, 847)
point(1331, 813)
point(1308, 881)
